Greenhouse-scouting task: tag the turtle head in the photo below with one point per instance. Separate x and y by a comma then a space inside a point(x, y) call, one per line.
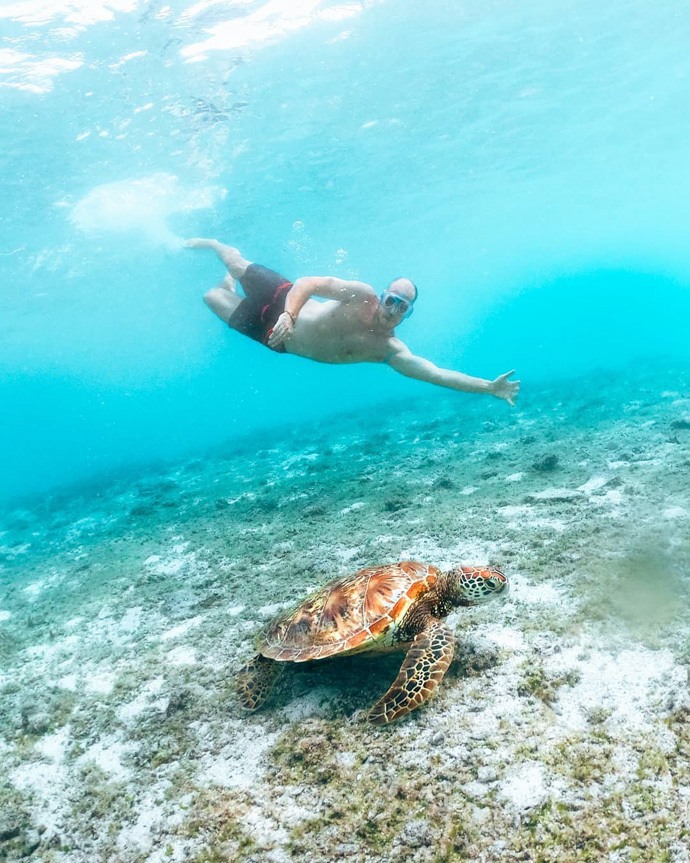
point(472, 585)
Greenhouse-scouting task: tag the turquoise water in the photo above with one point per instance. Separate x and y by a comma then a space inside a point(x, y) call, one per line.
point(168, 487)
point(525, 163)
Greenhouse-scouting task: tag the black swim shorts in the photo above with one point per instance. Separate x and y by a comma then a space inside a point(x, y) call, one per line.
point(265, 293)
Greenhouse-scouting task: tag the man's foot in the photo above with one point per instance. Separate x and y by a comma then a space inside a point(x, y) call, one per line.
point(201, 243)
point(230, 256)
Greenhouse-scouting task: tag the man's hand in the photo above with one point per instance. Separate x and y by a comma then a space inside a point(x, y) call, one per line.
point(502, 388)
point(282, 331)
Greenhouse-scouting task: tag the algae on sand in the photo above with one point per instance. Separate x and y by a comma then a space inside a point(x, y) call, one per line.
point(127, 608)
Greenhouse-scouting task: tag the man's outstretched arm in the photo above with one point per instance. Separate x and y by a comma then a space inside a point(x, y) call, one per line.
point(412, 366)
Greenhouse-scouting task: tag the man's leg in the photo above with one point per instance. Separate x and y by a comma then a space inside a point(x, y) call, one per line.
point(232, 258)
point(223, 299)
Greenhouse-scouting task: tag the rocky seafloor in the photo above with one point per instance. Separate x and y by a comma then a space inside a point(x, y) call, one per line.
point(562, 730)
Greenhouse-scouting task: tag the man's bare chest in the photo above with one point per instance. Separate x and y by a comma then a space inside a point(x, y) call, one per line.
point(356, 347)
point(339, 339)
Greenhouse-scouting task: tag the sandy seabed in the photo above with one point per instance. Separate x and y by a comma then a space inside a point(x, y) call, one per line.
point(562, 730)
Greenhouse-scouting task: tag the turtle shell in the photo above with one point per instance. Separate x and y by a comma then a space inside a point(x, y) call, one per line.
point(352, 614)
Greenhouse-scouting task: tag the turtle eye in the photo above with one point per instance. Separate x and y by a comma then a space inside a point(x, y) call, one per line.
point(497, 584)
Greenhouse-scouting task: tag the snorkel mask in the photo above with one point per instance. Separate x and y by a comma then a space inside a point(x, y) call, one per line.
point(391, 301)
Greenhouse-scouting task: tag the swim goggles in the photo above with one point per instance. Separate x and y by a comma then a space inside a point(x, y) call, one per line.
point(392, 301)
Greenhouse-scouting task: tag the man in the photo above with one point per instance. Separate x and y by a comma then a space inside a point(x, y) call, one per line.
point(354, 325)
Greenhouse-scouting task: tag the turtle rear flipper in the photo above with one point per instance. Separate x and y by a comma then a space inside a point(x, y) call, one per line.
point(426, 662)
point(255, 681)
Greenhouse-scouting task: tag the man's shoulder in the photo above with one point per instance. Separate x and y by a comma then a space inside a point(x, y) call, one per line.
point(345, 290)
point(397, 345)
point(359, 289)
point(395, 348)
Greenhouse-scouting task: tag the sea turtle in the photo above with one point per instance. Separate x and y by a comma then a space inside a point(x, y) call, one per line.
point(398, 606)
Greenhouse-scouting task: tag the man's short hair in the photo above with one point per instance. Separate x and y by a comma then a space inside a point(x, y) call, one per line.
point(400, 278)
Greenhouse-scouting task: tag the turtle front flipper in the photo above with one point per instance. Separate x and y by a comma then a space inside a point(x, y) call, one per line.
point(255, 681)
point(426, 662)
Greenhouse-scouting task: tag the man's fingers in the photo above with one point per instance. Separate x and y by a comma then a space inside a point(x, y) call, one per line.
point(510, 388)
point(278, 334)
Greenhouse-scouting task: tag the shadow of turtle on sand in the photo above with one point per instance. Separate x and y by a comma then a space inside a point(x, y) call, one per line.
point(346, 684)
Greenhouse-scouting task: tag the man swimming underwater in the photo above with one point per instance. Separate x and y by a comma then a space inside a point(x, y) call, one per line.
point(354, 325)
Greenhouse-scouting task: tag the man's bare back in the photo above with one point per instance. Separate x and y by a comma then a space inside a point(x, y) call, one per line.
point(353, 325)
